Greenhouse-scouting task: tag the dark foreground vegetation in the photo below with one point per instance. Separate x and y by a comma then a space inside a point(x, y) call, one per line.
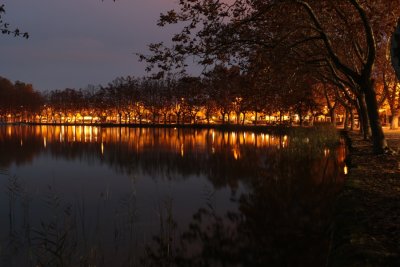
point(367, 220)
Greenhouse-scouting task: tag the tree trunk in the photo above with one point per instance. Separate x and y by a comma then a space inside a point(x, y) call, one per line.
point(363, 117)
point(332, 113)
point(394, 124)
point(346, 120)
point(378, 138)
point(351, 119)
point(312, 120)
point(195, 118)
point(300, 118)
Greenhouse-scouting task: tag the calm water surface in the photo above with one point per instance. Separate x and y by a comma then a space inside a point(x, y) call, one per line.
point(80, 196)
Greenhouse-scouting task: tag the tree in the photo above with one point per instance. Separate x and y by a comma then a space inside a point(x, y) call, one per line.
point(390, 87)
point(343, 36)
point(19, 101)
point(6, 29)
point(225, 83)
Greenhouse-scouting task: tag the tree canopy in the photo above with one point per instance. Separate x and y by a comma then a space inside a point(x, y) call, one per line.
point(336, 42)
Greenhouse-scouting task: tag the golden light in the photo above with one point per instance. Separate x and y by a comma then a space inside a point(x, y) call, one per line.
point(78, 134)
point(236, 153)
point(182, 151)
point(44, 142)
point(95, 133)
point(62, 130)
point(102, 148)
point(87, 131)
point(73, 133)
point(345, 170)
point(233, 137)
point(325, 110)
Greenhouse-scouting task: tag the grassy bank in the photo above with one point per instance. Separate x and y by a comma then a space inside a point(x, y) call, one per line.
point(366, 231)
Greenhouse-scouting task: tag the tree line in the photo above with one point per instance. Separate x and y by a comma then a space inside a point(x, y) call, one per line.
point(18, 100)
point(224, 95)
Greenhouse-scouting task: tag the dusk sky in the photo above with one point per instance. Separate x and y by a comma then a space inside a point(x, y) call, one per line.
point(74, 43)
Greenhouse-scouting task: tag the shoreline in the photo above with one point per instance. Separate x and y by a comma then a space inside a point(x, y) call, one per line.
point(366, 227)
point(278, 128)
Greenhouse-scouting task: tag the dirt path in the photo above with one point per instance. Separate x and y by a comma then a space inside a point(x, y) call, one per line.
point(366, 231)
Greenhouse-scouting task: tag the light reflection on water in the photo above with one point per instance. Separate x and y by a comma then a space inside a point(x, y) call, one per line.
point(125, 185)
point(147, 136)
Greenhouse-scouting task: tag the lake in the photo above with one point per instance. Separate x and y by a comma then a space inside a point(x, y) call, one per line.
point(93, 196)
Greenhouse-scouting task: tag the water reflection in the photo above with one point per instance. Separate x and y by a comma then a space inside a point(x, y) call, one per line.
point(266, 200)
